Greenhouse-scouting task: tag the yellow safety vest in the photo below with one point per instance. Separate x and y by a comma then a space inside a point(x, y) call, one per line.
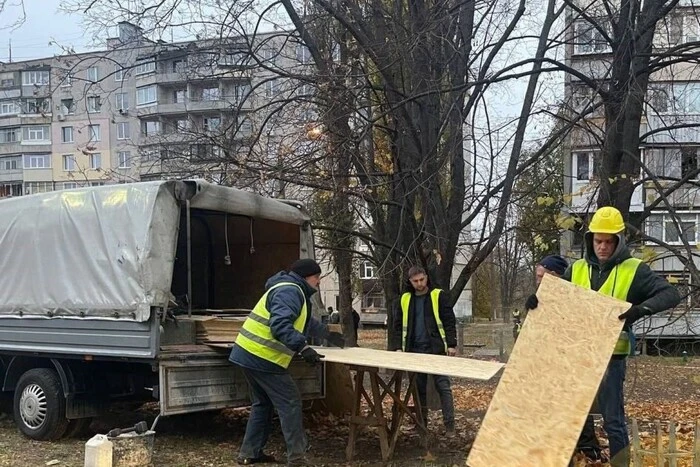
point(434, 299)
point(616, 285)
point(256, 337)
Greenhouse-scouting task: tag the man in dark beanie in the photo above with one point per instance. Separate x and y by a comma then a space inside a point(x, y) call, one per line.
point(275, 331)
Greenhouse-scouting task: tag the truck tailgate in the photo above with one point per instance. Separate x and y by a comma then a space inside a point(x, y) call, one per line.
point(194, 378)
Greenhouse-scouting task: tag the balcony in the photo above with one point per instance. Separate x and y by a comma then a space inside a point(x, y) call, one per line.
point(668, 134)
point(585, 192)
point(192, 105)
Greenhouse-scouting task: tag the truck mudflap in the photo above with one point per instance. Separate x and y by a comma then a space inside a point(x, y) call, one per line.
point(199, 384)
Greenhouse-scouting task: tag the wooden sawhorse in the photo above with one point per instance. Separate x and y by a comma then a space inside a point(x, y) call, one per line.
point(388, 429)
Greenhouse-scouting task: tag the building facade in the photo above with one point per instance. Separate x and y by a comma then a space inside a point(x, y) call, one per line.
point(669, 150)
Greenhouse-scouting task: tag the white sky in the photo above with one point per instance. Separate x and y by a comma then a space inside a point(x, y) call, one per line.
point(43, 24)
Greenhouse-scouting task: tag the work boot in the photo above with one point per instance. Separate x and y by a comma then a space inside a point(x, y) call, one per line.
point(450, 432)
point(257, 460)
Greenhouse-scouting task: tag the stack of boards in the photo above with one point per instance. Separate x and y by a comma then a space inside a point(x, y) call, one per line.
point(217, 329)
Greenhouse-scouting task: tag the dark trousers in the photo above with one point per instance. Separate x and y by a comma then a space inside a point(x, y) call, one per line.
point(442, 385)
point(611, 404)
point(587, 441)
point(268, 392)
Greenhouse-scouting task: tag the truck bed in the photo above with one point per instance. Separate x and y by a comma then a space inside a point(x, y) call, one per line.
point(77, 337)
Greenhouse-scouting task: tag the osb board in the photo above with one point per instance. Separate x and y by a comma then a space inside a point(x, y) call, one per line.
point(414, 362)
point(551, 379)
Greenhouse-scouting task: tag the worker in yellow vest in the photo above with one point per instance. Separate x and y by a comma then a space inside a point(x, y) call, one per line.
point(275, 331)
point(608, 268)
point(426, 323)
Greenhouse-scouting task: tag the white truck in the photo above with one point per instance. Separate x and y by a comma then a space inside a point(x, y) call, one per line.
point(89, 279)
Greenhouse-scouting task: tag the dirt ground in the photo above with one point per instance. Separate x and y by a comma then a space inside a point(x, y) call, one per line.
point(657, 388)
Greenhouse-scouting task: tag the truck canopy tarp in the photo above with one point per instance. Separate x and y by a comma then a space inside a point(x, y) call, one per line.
point(106, 252)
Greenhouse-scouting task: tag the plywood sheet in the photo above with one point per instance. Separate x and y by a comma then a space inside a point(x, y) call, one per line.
point(551, 379)
point(414, 362)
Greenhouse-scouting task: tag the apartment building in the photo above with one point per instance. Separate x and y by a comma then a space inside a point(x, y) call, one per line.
point(670, 148)
point(142, 110)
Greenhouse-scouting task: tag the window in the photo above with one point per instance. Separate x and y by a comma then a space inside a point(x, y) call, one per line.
point(118, 73)
point(67, 134)
point(7, 82)
point(95, 161)
point(689, 163)
point(245, 127)
point(36, 134)
point(123, 131)
point(305, 90)
point(146, 95)
point(211, 94)
point(179, 96)
point(144, 67)
point(179, 66)
point(93, 74)
point(97, 183)
point(124, 159)
point(182, 125)
point(669, 31)
point(660, 99)
point(93, 104)
point(243, 91)
point(588, 38)
point(691, 28)
point(212, 123)
point(373, 303)
point(37, 161)
point(150, 127)
point(270, 55)
point(70, 185)
point(9, 135)
point(673, 162)
point(682, 282)
point(303, 54)
point(35, 77)
point(94, 132)
point(202, 151)
point(10, 163)
point(366, 270)
point(67, 106)
point(65, 78)
point(235, 58)
point(271, 88)
point(36, 106)
point(31, 188)
point(584, 164)
point(68, 162)
point(8, 108)
point(663, 227)
point(121, 101)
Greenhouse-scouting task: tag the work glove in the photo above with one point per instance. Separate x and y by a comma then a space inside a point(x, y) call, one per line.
point(336, 339)
point(310, 356)
point(635, 313)
point(531, 302)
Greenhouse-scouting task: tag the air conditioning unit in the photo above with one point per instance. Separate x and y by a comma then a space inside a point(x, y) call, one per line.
point(61, 117)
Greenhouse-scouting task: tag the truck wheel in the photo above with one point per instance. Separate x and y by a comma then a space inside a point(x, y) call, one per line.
point(39, 405)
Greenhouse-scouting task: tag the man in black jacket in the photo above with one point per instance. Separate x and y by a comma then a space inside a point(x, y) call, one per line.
point(426, 323)
point(609, 268)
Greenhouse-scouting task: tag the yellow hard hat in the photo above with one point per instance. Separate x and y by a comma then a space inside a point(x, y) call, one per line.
point(607, 220)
